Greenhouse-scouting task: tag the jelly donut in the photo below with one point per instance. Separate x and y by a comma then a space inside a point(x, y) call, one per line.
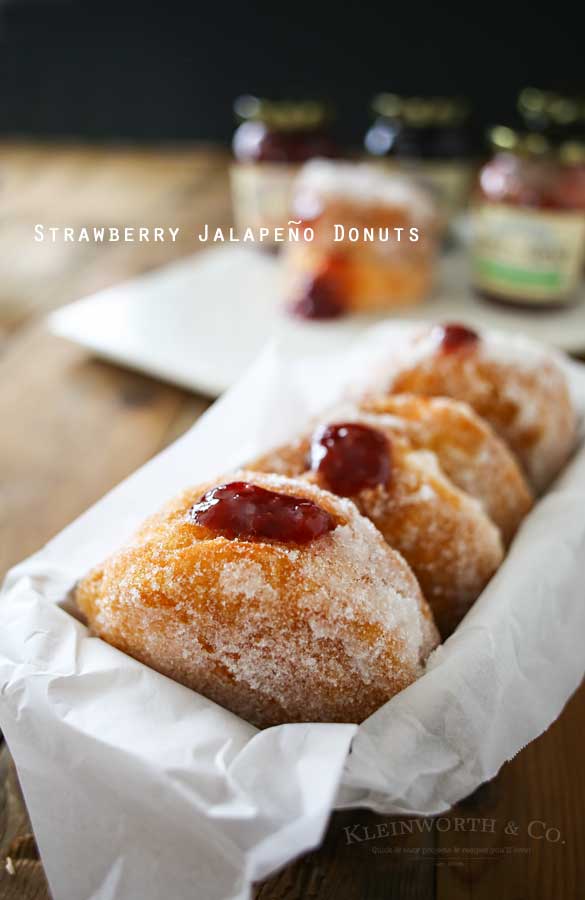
point(468, 450)
point(374, 242)
point(270, 596)
point(513, 383)
point(444, 534)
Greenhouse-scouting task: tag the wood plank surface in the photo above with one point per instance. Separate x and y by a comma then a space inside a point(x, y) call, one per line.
point(73, 426)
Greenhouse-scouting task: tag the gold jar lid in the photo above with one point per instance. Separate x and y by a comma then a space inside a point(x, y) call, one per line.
point(564, 111)
point(524, 143)
point(283, 115)
point(572, 153)
point(421, 112)
point(533, 102)
point(549, 107)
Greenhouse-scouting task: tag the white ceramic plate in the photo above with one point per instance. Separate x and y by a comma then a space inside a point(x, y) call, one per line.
point(200, 322)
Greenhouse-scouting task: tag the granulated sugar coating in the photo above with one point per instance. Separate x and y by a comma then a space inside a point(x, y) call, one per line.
point(446, 537)
point(513, 383)
point(327, 631)
point(467, 449)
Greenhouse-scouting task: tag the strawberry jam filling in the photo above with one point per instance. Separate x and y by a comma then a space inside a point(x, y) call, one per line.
point(349, 457)
point(453, 337)
point(246, 511)
point(323, 294)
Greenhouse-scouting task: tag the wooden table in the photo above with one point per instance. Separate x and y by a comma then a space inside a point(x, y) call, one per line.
point(73, 426)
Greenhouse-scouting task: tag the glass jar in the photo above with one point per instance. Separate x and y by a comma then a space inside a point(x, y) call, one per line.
point(429, 138)
point(571, 190)
point(273, 140)
point(528, 227)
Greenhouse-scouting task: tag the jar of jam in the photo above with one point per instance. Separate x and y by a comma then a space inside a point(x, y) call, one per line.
point(429, 138)
point(528, 226)
point(572, 175)
point(273, 140)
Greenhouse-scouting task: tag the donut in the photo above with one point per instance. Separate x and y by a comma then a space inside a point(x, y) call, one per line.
point(516, 385)
point(443, 533)
point(469, 452)
point(270, 596)
point(374, 240)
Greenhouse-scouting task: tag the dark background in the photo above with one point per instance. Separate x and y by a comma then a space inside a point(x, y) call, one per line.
point(151, 71)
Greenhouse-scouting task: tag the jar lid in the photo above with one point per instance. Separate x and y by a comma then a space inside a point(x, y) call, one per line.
point(572, 153)
point(421, 112)
point(524, 143)
point(549, 107)
point(282, 115)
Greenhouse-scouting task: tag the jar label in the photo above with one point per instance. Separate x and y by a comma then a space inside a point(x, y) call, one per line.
point(529, 256)
point(261, 194)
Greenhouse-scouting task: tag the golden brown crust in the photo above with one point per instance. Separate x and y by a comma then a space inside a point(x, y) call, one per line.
point(377, 275)
point(450, 543)
point(519, 389)
point(469, 452)
point(321, 632)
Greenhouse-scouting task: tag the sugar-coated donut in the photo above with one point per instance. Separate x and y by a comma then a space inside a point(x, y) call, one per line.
point(340, 270)
point(469, 452)
point(450, 543)
point(268, 595)
point(513, 383)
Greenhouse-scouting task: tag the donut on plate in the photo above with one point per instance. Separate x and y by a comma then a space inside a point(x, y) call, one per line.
point(268, 595)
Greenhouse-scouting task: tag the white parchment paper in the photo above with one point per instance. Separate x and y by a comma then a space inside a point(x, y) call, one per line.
point(138, 787)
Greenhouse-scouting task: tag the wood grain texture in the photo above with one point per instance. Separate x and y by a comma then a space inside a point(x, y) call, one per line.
point(21, 871)
point(72, 427)
point(79, 186)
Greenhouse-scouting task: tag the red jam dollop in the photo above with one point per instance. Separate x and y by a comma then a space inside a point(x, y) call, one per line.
point(318, 300)
point(349, 457)
point(246, 511)
point(322, 296)
point(454, 337)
